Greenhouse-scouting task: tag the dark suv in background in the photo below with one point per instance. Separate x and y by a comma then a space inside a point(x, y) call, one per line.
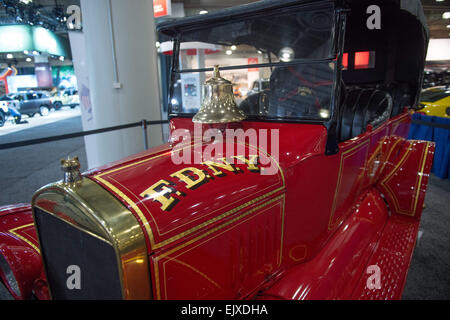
point(33, 102)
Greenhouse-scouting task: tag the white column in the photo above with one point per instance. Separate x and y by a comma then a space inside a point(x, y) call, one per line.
point(125, 90)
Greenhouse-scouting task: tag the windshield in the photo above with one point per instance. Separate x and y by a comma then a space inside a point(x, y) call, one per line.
point(281, 65)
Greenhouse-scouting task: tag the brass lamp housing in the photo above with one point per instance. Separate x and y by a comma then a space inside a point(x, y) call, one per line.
point(218, 104)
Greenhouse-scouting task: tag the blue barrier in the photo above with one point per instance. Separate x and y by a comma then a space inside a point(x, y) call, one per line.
point(432, 129)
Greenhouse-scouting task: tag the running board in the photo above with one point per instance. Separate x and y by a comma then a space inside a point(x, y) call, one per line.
point(393, 257)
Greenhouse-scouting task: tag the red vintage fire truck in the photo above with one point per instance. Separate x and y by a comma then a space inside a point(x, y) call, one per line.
point(328, 197)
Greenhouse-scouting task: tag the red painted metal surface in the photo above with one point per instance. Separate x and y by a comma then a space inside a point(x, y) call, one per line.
point(308, 231)
point(393, 256)
point(334, 272)
point(405, 192)
point(218, 196)
point(20, 248)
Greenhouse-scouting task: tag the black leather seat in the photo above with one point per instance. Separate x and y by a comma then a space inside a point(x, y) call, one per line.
point(350, 103)
point(362, 107)
point(379, 109)
point(401, 95)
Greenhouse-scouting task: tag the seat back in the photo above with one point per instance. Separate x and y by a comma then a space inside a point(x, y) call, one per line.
point(401, 95)
point(362, 107)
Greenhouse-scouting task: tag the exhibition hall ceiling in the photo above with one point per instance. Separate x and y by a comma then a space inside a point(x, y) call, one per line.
point(433, 11)
point(46, 13)
point(50, 13)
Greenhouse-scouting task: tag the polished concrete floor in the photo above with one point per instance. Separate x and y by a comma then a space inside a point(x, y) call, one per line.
point(429, 274)
point(23, 170)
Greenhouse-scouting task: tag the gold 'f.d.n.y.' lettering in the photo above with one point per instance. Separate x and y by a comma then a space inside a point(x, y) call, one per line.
point(165, 192)
point(161, 192)
point(251, 162)
point(187, 175)
point(225, 165)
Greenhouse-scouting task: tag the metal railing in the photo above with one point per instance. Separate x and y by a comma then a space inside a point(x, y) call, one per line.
point(143, 124)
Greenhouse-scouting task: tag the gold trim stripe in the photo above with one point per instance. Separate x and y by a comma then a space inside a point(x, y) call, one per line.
point(243, 215)
point(197, 271)
point(143, 218)
point(344, 155)
point(133, 205)
point(13, 231)
point(137, 199)
point(384, 182)
point(421, 172)
point(415, 199)
point(220, 217)
point(389, 154)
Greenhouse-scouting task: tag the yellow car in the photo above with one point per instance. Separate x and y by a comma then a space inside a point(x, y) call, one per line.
point(435, 101)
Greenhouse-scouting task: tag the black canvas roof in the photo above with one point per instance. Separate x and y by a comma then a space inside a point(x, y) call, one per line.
point(171, 26)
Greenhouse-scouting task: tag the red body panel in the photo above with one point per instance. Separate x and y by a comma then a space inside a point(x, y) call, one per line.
point(309, 231)
point(306, 204)
point(19, 246)
point(334, 272)
point(212, 200)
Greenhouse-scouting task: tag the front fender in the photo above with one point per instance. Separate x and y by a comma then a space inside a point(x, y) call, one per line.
point(336, 270)
point(21, 268)
point(404, 177)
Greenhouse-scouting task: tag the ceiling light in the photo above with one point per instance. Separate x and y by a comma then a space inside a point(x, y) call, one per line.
point(35, 53)
point(259, 51)
point(229, 52)
point(448, 26)
point(26, 52)
point(324, 113)
point(446, 15)
point(9, 56)
point(61, 58)
point(28, 59)
point(286, 54)
point(203, 12)
point(233, 47)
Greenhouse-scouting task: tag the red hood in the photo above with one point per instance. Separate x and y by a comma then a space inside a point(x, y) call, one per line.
point(196, 195)
point(171, 207)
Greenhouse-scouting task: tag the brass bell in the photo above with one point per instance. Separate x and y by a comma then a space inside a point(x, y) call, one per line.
point(218, 104)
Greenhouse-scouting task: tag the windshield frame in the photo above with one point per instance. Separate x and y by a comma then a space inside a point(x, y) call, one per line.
point(333, 58)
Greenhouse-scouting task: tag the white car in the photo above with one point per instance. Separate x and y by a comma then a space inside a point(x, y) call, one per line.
point(9, 108)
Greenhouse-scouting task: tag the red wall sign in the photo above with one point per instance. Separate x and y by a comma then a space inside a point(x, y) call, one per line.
point(162, 8)
point(252, 61)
